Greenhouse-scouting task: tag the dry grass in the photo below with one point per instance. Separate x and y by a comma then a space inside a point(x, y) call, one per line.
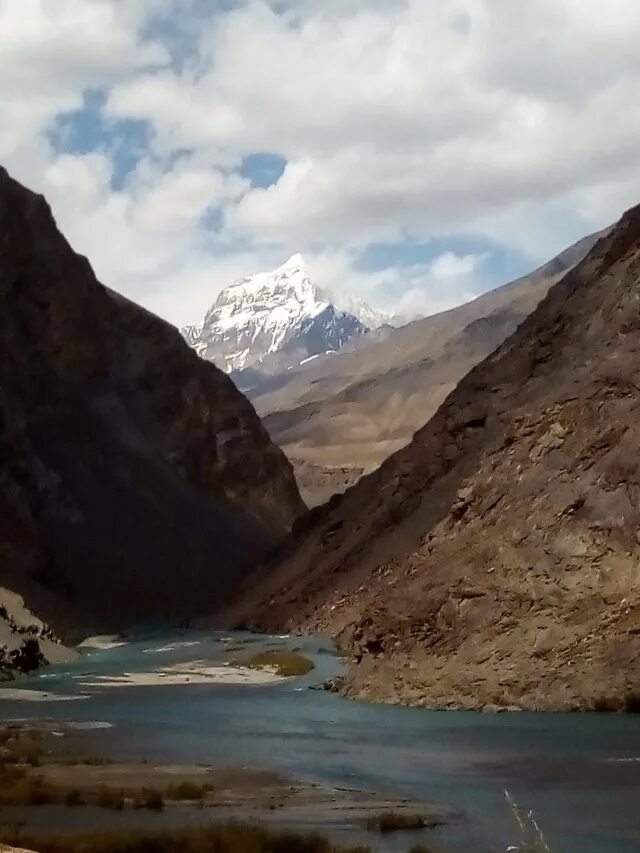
point(229, 838)
point(22, 749)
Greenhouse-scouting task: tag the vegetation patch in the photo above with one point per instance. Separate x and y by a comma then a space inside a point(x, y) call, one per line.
point(188, 791)
point(227, 838)
point(286, 664)
point(396, 821)
point(110, 798)
point(149, 798)
point(74, 797)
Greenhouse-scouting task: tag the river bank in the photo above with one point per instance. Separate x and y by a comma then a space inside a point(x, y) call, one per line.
point(579, 773)
point(51, 783)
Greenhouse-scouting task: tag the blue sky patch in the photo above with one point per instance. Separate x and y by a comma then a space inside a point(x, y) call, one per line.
point(501, 264)
point(86, 130)
point(263, 168)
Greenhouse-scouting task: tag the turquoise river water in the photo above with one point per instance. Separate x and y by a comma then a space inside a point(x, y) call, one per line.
point(578, 773)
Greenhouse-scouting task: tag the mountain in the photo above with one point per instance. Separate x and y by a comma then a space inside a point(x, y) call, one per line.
point(493, 561)
point(339, 417)
point(136, 482)
point(370, 317)
point(273, 321)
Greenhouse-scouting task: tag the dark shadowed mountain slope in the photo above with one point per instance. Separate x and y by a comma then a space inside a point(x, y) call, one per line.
point(346, 413)
point(494, 561)
point(135, 480)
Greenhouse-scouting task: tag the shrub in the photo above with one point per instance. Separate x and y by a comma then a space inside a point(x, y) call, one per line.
point(188, 791)
point(394, 821)
point(74, 797)
point(32, 757)
point(37, 792)
point(108, 798)
point(149, 798)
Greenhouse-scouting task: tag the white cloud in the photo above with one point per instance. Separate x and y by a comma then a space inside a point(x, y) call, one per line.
point(407, 291)
point(50, 53)
point(396, 118)
point(411, 117)
point(449, 280)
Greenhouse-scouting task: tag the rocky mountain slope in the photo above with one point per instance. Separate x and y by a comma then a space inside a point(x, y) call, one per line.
point(272, 321)
point(341, 416)
point(135, 480)
point(494, 560)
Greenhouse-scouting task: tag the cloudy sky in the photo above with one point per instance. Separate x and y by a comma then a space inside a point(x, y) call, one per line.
point(417, 152)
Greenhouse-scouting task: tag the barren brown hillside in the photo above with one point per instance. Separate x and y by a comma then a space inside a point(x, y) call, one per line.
point(494, 561)
point(347, 413)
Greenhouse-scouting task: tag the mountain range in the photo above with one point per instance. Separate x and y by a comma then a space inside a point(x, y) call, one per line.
point(273, 321)
point(492, 562)
point(341, 416)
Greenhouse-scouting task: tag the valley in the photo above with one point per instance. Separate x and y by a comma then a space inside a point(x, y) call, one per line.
point(442, 576)
point(492, 562)
point(344, 414)
point(319, 426)
point(324, 762)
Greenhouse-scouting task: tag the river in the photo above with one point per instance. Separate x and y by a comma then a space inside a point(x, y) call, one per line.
point(578, 773)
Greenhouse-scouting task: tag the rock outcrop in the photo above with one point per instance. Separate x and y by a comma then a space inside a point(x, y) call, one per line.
point(26, 643)
point(494, 561)
point(136, 482)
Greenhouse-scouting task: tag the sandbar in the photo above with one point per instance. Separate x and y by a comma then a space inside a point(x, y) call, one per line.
point(194, 672)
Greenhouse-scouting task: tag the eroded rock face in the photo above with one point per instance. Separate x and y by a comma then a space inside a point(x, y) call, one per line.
point(135, 481)
point(494, 561)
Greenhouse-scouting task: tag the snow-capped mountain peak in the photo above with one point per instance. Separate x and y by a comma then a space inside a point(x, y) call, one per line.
point(371, 317)
point(273, 312)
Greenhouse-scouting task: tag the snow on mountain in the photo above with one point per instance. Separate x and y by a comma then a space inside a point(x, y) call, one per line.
point(280, 316)
point(370, 317)
point(191, 333)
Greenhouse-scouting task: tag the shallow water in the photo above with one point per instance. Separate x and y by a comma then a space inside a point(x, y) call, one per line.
point(579, 773)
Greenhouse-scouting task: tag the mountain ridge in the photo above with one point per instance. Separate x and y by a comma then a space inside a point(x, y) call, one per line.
point(492, 562)
point(110, 425)
point(337, 418)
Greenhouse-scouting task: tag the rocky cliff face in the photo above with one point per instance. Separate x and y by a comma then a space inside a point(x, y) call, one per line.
point(135, 481)
point(494, 561)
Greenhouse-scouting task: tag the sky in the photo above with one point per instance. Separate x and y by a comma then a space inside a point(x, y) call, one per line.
point(417, 152)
